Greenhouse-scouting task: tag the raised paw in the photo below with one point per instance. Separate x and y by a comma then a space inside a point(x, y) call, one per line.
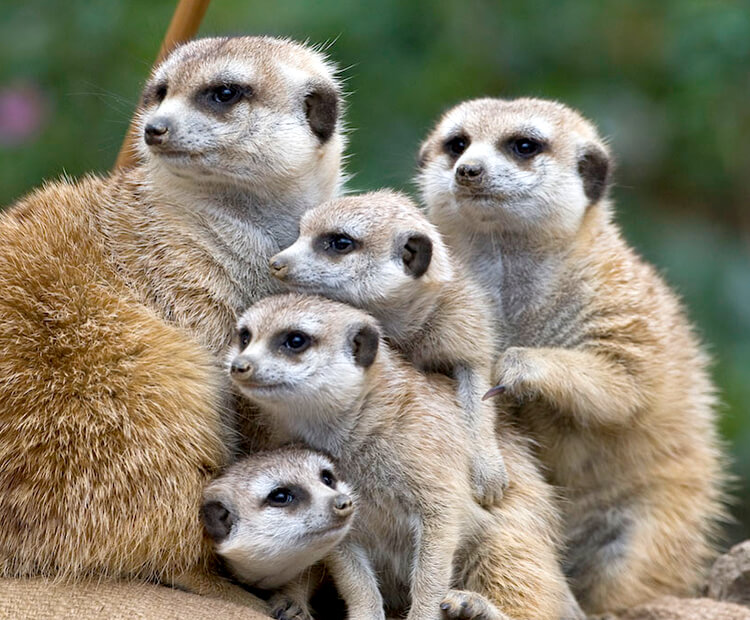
point(465, 605)
point(286, 608)
point(516, 374)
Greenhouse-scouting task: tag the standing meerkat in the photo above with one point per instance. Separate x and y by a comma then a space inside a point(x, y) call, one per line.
point(609, 376)
point(119, 294)
point(321, 376)
point(378, 252)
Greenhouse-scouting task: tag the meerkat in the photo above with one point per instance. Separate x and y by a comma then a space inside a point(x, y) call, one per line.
point(609, 376)
point(378, 252)
point(275, 513)
point(321, 376)
point(119, 298)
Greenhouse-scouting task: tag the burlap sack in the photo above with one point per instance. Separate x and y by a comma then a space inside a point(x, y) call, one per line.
point(22, 599)
point(672, 608)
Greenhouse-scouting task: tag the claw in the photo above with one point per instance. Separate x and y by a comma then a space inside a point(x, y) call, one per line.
point(498, 389)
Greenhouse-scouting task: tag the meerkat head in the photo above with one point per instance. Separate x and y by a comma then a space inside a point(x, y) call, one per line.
point(303, 353)
point(258, 113)
point(518, 165)
point(273, 514)
point(369, 250)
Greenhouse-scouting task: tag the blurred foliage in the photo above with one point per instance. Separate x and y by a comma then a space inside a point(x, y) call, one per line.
point(668, 82)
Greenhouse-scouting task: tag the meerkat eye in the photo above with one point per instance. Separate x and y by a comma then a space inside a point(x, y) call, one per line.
point(341, 244)
point(525, 147)
point(296, 341)
point(280, 497)
point(161, 92)
point(245, 337)
point(225, 94)
point(456, 145)
point(327, 478)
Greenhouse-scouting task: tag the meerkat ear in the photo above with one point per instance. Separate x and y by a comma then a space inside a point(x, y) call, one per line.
point(321, 110)
point(364, 341)
point(594, 167)
point(416, 252)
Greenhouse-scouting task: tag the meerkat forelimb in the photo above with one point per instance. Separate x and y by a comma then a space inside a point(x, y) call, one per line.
point(321, 375)
point(378, 252)
point(594, 350)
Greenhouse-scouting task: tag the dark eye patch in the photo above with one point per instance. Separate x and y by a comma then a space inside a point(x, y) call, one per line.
point(337, 243)
point(222, 96)
point(525, 146)
point(155, 94)
point(244, 336)
point(456, 145)
point(327, 478)
point(293, 342)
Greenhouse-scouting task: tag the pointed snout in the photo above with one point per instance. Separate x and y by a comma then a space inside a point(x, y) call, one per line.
point(241, 367)
point(342, 506)
point(156, 131)
point(279, 267)
point(217, 520)
point(470, 173)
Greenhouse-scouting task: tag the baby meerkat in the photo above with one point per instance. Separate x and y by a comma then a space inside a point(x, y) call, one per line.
point(609, 375)
point(378, 252)
point(273, 515)
point(121, 292)
point(321, 376)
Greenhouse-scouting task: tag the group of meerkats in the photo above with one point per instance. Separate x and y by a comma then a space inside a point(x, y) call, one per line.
point(491, 408)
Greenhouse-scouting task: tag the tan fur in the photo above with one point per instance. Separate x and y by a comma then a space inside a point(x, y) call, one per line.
point(398, 438)
point(118, 294)
point(401, 272)
point(608, 375)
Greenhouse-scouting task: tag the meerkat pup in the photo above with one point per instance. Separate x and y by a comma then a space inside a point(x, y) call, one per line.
point(275, 514)
point(609, 377)
point(321, 376)
point(378, 252)
point(119, 298)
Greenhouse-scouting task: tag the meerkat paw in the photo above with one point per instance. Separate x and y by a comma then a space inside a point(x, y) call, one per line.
point(283, 607)
point(489, 479)
point(465, 605)
point(516, 374)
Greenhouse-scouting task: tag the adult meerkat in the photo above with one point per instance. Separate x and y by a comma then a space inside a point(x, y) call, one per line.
point(273, 515)
point(610, 377)
point(378, 252)
point(321, 376)
point(119, 293)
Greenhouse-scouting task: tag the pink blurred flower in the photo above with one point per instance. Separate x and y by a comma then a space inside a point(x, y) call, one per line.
point(23, 112)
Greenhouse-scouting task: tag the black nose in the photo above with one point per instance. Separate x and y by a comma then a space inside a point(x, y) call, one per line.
point(240, 366)
point(217, 520)
point(154, 131)
point(469, 173)
point(279, 268)
point(343, 505)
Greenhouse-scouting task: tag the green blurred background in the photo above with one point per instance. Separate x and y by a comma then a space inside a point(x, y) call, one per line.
point(667, 82)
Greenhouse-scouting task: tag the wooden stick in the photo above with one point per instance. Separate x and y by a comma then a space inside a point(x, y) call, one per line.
point(185, 22)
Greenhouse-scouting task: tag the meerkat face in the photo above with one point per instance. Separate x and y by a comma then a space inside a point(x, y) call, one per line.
point(514, 165)
point(255, 112)
point(274, 514)
point(364, 250)
point(303, 353)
